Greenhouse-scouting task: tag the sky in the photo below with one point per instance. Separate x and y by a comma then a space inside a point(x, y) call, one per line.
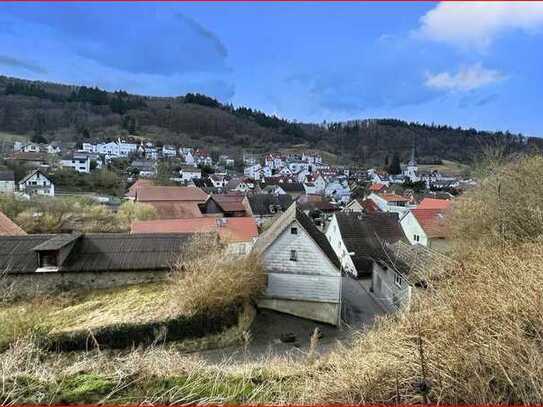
point(463, 64)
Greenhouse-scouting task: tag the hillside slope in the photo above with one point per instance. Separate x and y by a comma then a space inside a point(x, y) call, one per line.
point(48, 111)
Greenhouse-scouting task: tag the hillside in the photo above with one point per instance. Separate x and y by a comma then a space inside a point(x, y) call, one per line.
point(48, 111)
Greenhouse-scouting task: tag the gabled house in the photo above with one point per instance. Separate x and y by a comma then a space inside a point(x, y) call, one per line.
point(169, 151)
point(314, 184)
point(189, 173)
point(37, 183)
point(145, 168)
point(387, 202)
point(253, 171)
point(172, 202)
point(266, 207)
point(8, 227)
point(226, 205)
point(303, 271)
point(357, 238)
point(7, 181)
point(427, 227)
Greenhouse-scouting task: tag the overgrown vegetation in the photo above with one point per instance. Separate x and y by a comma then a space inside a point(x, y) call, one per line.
point(67, 214)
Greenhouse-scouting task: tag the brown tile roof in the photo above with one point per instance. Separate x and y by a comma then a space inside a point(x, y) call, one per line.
point(432, 221)
point(230, 229)
point(150, 193)
point(393, 198)
point(136, 185)
point(229, 202)
point(8, 227)
point(176, 209)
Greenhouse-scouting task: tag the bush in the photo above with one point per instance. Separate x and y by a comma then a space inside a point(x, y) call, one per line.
point(208, 279)
point(131, 211)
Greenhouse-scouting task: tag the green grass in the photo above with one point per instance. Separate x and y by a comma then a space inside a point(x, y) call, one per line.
point(10, 137)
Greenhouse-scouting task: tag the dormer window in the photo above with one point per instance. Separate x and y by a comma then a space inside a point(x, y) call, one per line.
point(48, 259)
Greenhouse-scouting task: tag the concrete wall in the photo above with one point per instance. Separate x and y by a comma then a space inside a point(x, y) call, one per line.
point(317, 311)
point(29, 284)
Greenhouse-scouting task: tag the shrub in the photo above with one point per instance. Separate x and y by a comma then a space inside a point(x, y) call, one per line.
point(131, 211)
point(208, 279)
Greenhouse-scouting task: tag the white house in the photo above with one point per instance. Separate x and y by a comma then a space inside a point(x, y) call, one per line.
point(169, 151)
point(189, 158)
point(302, 269)
point(297, 166)
point(188, 173)
point(89, 148)
point(126, 148)
point(358, 238)
point(391, 203)
point(7, 182)
point(53, 148)
point(426, 227)
point(339, 190)
point(314, 184)
point(31, 148)
point(37, 183)
point(146, 168)
point(410, 171)
point(253, 171)
point(76, 161)
point(111, 149)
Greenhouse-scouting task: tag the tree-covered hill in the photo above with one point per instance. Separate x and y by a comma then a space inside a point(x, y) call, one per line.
point(48, 111)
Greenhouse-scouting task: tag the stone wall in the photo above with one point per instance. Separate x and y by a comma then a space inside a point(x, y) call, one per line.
point(30, 284)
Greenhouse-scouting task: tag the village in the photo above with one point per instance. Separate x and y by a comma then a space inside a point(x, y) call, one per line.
point(338, 244)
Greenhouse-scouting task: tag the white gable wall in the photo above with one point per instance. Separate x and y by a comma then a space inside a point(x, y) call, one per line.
point(412, 228)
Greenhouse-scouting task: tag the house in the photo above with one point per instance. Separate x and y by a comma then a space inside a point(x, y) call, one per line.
point(253, 171)
point(8, 227)
point(357, 238)
point(239, 184)
point(89, 148)
point(362, 205)
point(218, 180)
point(426, 227)
point(188, 157)
point(169, 151)
point(146, 168)
point(111, 149)
point(53, 148)
point(125, 149)
point(339, 190)
point(314, 184)
point(266, 207)
point(77, 161)
point(388, 202)
point(226, 205)
point(172, 202)
point(403, 268)
point(29, 159)
point(202, 157)
point(31, 148)
point(303, 271)
point(37, 183)
point(50, 263)
point(377, 188)
point(238, 233)
point(7, 181)
point(189, 173)
point(294, 189)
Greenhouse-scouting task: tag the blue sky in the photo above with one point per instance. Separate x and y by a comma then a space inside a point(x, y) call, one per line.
point(472, 65)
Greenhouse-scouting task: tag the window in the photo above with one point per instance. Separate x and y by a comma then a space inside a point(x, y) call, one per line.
point(294, 230)
point(293, 255)
point(48, 259)
point(398, 280)
point(416, 238)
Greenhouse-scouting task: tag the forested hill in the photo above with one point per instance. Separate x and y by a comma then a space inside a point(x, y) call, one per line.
point(47, 111)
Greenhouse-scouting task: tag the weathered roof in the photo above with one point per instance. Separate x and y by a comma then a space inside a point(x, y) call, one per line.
point(364, 235)
point(432, 221)
point(262, 203)
point(8, 227)
point(229, 202)
point(31, 173)
point(97, 252)
point(7, 176)
point(293, 213)
point(292, 187)
point(57, 242)
point(393, 198)
point(242, 229)
point(27, 156)
point(136, 185)
point(160, 193)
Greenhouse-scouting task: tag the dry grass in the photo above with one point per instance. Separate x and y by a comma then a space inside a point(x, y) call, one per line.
point(207, 279)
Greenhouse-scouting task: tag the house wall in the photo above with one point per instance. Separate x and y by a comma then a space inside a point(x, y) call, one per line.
point(29, 284)
point(386, 290)
point(334, 237)
point(7, 186)
point(412, 228)
point(309, 287)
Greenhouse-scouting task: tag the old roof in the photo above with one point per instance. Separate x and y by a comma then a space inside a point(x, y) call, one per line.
point(292, 187)
point(376, 187)
point(176, 209)
point(293, 213)
point(8, 227)
point(27, 156)
point(7, 176)
point(261, 204)
point(136, 185)
point(57, 242)
point(431, 203)
point(148, 193)
point(369, 206)
point(242, 229)
point(432, 221)
point(231, 202)
point(364, 234)
point(31, 173)
point(97, 252)
point(316, 202)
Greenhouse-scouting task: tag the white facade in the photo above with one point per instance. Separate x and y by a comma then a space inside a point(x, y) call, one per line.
point(412, 230)
point(169, 151)
point(190, 173)
point(37, 183)
point(31, 148)
point(89, 148)
point(126, 148)
point(77, 162)
point(253, 171)
point(7, 186)
point(333, 234)
point(111, 149)
point(390, 206)
point(51, 149)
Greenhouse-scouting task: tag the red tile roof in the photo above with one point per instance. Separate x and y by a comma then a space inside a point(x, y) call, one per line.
point(136, 185)
point(8, 227)
point(150, 193)
point(229, 229)
point(377, 187)
point(431, 203)
point(393, 198)
point(369, 205)
point(432, 221)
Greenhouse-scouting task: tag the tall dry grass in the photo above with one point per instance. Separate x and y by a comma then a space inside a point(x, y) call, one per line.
point(207, 278)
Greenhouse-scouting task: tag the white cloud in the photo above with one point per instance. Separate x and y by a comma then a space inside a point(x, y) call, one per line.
point(477, 24)
point(466, 79)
